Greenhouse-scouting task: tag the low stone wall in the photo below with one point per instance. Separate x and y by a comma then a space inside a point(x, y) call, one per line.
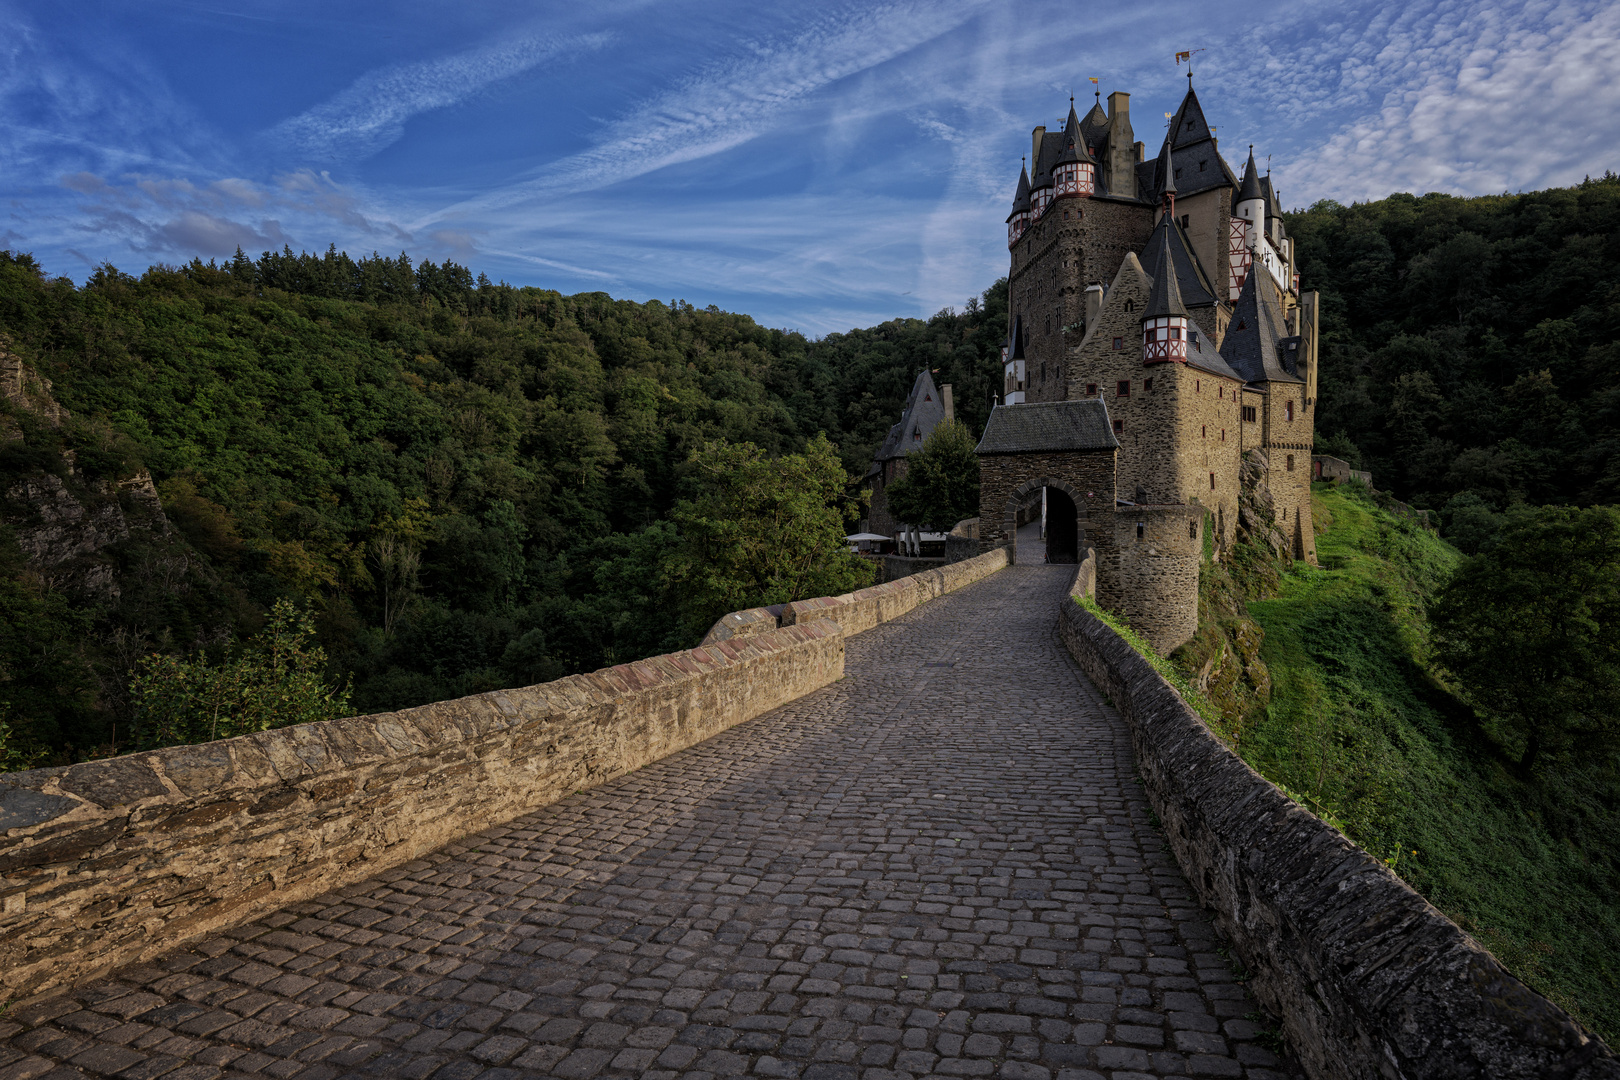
point(867, 608)
point(962, 543)
point(742, 624)
point(896, 567)
point(1368, 979)
point(112, 862)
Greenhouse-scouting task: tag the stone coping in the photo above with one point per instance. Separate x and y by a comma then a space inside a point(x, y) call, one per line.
point(108, 863)
point(112, 862)
point(1368, 978)
point(859, 611)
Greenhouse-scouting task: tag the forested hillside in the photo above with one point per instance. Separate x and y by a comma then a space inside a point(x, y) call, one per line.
point(1470, 346)
point(469, 484)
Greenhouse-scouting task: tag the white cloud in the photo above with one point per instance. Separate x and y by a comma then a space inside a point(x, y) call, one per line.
point(1462, 97)
point(371, 113)
point(734, 101)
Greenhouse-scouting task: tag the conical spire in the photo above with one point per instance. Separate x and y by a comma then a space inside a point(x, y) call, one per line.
point(1021, 196)
point(1017, 352)
point(1250, 188)
point(1074, 142)
point(1166, 171)
point(1165, 300)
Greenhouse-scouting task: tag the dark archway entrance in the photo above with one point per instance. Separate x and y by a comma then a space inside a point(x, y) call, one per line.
point(1062, 527)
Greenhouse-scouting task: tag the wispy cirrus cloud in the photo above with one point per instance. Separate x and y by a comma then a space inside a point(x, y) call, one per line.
point(371, 113)
point(735, 100)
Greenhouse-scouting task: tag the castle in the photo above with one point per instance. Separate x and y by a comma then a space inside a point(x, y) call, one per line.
point(1157, 337)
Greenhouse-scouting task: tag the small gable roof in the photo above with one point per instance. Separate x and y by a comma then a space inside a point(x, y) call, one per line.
point(1256, 339)
point(1048, 426)
point(923, 412)
point(1193, 283)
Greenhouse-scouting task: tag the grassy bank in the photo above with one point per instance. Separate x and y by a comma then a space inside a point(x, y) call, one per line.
point(1359, 726)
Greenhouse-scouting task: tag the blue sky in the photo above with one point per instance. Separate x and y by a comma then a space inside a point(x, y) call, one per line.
point(818, 166)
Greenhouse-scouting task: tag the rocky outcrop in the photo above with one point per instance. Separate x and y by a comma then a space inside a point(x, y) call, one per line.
point(1257, 511)
point(64, 521)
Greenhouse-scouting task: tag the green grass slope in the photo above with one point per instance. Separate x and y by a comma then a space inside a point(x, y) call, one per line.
point(1359, 727)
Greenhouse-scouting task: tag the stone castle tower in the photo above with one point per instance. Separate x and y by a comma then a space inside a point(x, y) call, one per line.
point(1165, 291)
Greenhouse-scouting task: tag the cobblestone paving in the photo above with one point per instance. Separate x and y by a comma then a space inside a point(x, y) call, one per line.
point(941, 865)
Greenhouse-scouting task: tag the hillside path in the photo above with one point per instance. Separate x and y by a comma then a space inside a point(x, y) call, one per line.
point(940, 865)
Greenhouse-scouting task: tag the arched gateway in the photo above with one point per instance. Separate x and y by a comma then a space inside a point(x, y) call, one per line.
point(1147, 553)
point(1066, 447)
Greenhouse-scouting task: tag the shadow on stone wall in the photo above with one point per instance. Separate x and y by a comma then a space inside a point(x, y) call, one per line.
point(1368, 978)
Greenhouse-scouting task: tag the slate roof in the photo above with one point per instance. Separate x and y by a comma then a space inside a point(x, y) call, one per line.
point(1196, 290)
point(1021, 196)
point(1192, 151)
point(1251, 184)
point(1256, 339)
point(923, 412)
point(1094, 128)
point(1017, 352)
point(1165, 299)
point(1074, 142)
point(1041, 175)
point(1048, 426)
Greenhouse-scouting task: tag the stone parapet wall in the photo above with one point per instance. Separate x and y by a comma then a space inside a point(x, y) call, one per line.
point(867, 608)
point(112, 862)
point(742, 624)
point(1368, 979)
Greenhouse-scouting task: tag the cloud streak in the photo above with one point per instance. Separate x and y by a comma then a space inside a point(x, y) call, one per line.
point(734, 101)
point(371, 113)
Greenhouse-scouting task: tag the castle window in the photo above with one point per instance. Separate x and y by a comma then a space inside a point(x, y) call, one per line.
point(1198, 386)
point(1141, 530)
point(1212, 481)
point(1178, 174)
point(1290, 462)
point(1065, 218)
point(1192, 339)
point(1091, 389)
point(1130, 305)
point(1285, 509)
point(1290, 412)
point(1248, 414)
point(1119, 343)
point(1175, 333)
point(1186, 220)
point(1124, 388)
point(1201, 165)
point(1223, 434)
point(1119, 427)
point(1147, 386)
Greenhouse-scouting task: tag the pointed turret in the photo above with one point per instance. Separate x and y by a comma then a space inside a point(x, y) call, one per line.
point(1250, 204)
point(1013, 364)
point(1164, 323)
point(1075, 170)
point(1018, 220)
point(1165, 299)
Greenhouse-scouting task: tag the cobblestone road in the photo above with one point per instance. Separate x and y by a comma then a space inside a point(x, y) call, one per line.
point(941, 865)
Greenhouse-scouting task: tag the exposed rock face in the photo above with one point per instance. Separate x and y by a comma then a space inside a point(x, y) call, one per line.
point(1257, 510)
point(65, 521)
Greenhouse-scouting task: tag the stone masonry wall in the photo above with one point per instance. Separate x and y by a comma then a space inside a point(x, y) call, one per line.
point(859, 611)
point(1291, 488)
point(1077, 242)
point(112, 862)
point(1151, 575)
point(1088, 474)
point(1370, 980)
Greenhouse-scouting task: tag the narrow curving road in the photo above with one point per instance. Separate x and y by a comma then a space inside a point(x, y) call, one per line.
point(941, 865)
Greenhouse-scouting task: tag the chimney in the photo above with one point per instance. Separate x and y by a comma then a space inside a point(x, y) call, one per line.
point(1094, 302)
point(950, 405)
point(1121, 144)
point(1035, 150)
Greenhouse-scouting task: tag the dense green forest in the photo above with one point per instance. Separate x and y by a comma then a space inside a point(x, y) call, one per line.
point(1470, 346)
point(1364, 726)
point(470, 485)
